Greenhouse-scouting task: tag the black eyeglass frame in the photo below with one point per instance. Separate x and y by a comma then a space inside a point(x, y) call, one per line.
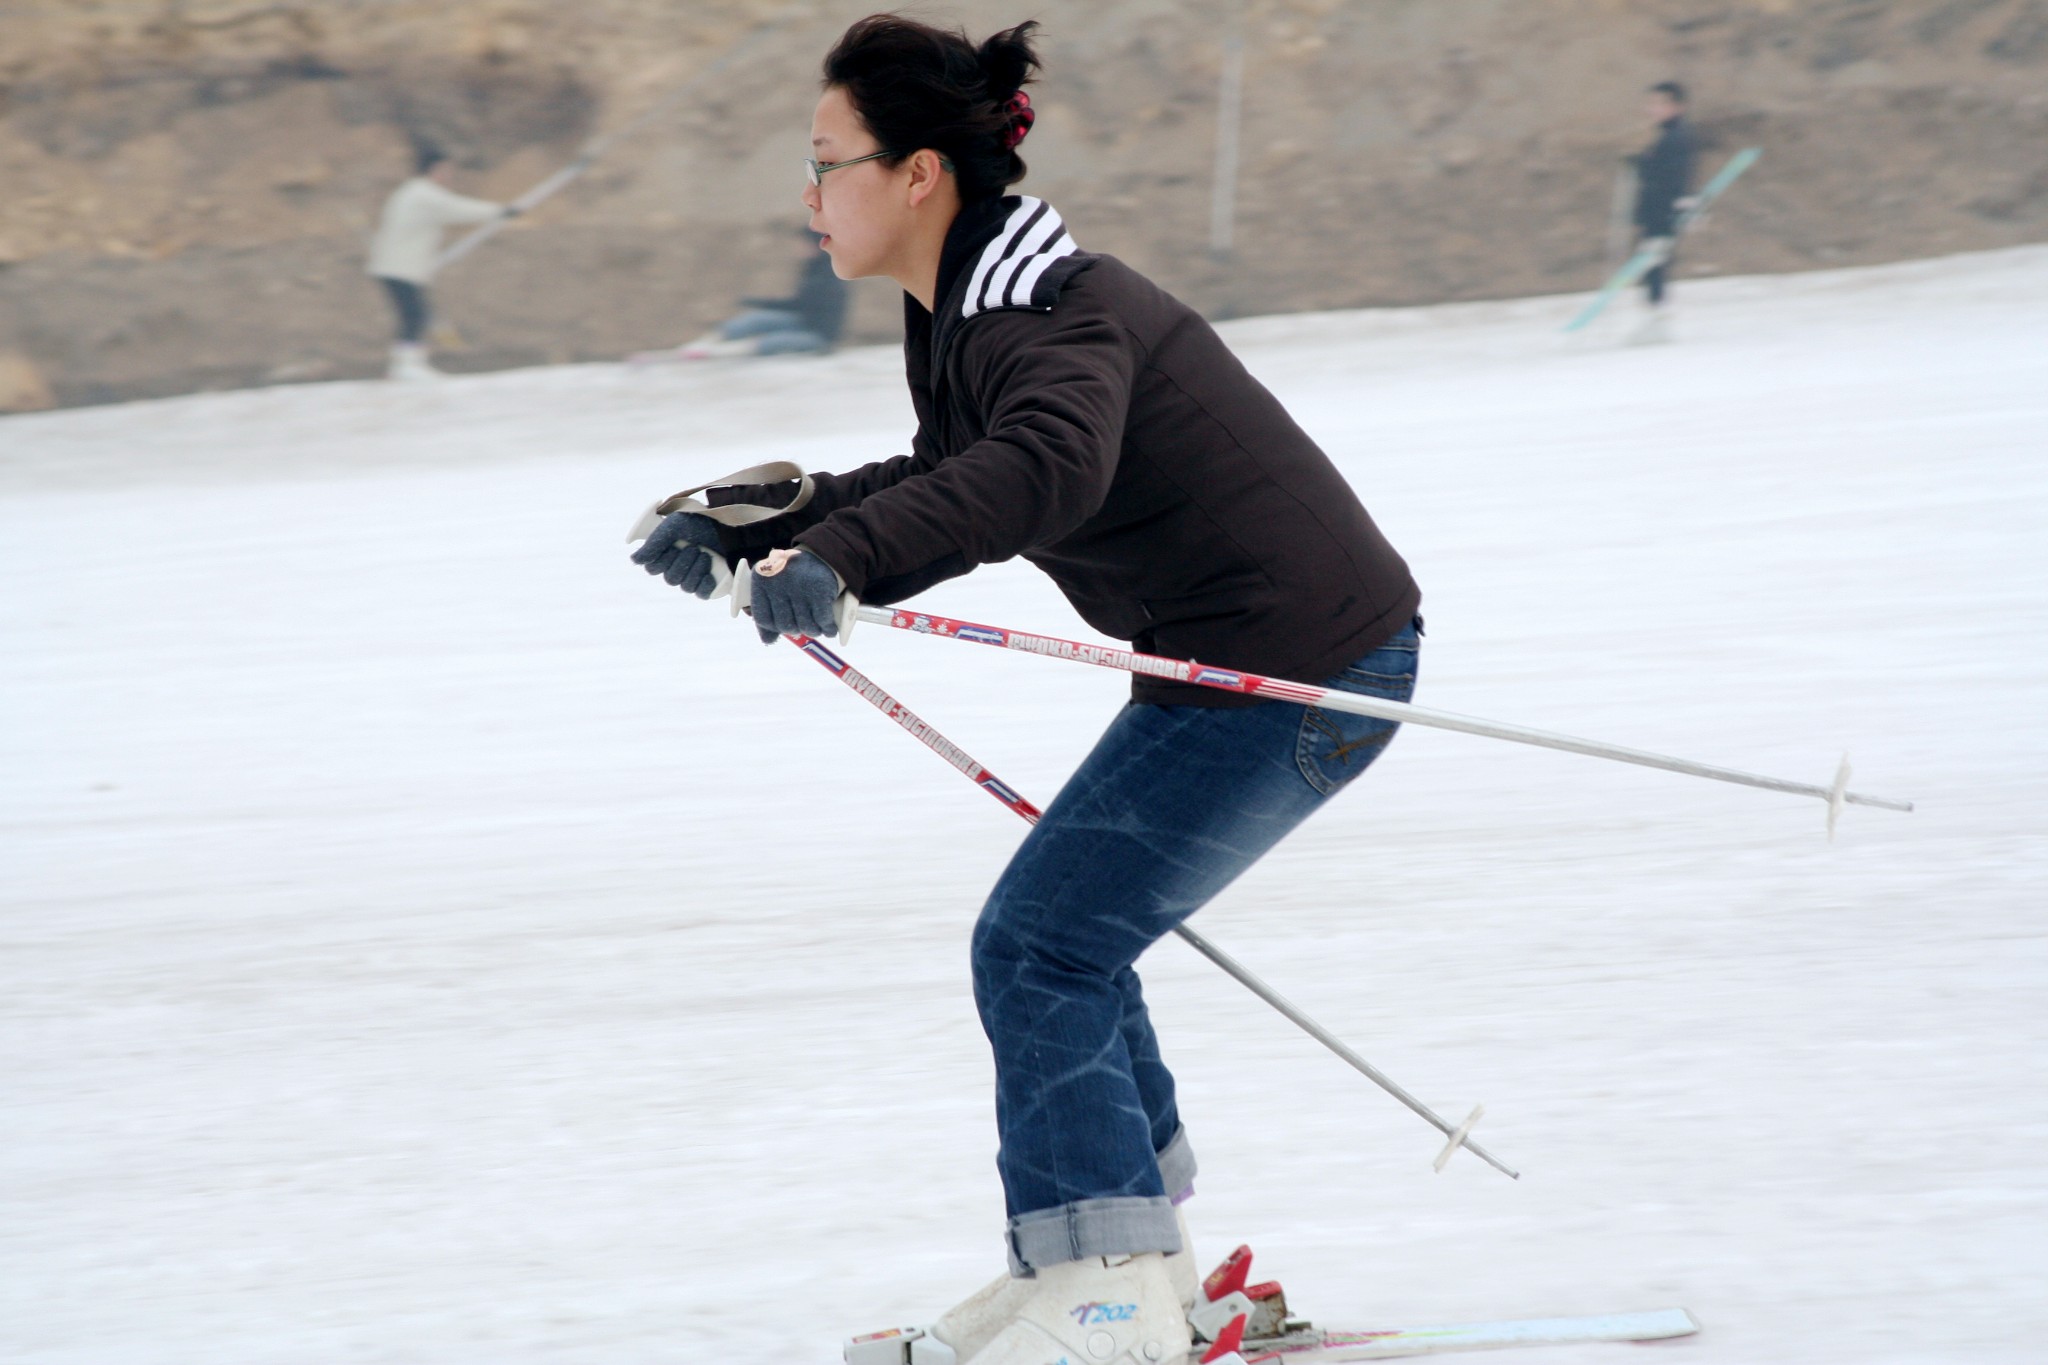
point(815, 170)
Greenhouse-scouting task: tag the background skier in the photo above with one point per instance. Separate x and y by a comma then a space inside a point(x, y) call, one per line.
point(807, 322)
point(1071, 412)
point(1663, 180)
point(404, 251)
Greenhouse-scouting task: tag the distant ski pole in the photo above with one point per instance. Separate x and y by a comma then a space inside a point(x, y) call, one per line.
point(1835, 794)
point(1459, 1135)
point(598, 146)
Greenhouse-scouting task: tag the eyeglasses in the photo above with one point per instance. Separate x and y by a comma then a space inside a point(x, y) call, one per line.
point(814, 169)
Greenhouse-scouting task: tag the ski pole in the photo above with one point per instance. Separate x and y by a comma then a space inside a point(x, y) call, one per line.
point(1835, 794)
point(599, 145)
point(875, 696)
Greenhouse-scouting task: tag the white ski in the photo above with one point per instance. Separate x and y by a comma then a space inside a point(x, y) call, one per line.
point(1313, 1348)
point(1650, 257)
point(1235, 1322)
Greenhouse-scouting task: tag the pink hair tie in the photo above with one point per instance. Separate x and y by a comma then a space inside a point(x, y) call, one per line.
point(1022, 116)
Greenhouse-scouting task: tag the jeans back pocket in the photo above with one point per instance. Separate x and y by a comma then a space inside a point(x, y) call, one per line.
point(1333, 747)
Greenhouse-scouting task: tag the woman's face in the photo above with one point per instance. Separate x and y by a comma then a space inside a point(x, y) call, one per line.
point(864, 212)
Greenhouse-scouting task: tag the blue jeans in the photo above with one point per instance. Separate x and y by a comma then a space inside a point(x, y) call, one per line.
point(1167, 809)
point(410, 301)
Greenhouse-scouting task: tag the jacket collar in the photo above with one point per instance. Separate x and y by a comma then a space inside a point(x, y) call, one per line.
point(1013, 267)
point(1012, 252)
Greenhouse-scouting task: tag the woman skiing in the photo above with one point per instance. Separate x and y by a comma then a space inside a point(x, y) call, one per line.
point(1071, 412)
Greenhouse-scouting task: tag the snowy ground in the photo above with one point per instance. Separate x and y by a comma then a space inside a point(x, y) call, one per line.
point(427, 940)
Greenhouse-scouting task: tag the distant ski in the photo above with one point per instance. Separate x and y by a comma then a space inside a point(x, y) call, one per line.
point(1315, 1348)
point(1650, 257)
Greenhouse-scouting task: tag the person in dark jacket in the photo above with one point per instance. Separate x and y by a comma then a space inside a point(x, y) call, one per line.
point(1071, 412)
point(1664, 173)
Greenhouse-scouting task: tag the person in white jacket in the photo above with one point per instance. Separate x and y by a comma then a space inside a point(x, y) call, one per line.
point(407, 245)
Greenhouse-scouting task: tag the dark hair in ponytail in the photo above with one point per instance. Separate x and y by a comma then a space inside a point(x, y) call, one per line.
point(917, 86)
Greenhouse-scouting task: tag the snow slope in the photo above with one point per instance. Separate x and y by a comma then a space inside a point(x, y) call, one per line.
point(427, 940)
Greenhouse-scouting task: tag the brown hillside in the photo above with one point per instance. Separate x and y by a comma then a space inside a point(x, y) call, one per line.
point(185, 185)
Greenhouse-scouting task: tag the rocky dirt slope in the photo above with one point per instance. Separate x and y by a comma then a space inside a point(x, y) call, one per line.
point(185, 185)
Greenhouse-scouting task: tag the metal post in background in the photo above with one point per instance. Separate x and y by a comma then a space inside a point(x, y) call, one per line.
point(1229, 119)
point(1621, 216)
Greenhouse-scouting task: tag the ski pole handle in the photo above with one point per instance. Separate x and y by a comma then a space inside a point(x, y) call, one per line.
point(846, 607)
point(721, 572)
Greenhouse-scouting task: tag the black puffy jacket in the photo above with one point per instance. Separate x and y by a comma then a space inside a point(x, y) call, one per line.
point(1663, 177)
point(1072, 412)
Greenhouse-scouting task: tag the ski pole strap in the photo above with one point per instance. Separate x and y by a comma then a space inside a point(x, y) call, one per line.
point(732, 514)
point(743, 513)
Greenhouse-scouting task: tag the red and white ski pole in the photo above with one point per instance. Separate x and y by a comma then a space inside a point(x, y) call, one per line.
point(1836, 794)
point(1458, 1135)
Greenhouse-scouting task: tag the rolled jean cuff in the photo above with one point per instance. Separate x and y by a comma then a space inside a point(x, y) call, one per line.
point(1177, 1163)
point(1122, 1226)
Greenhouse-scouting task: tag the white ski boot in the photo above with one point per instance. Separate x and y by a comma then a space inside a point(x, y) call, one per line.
point(1100, 1310)
point(973, 1323)
point(409, 361)
point(1180, 1265)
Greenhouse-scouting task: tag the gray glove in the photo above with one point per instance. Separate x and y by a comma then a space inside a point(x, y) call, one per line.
point(681, 550)
point(797, 601)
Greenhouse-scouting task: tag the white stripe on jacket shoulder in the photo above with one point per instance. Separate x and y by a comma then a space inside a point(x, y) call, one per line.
point(1013, 265)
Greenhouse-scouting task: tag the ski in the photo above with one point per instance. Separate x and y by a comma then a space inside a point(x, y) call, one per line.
point(914, 1345)
point(1235, 1322)
point(1652, 256)
point(1248, 1324)
point(1313, 1348)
